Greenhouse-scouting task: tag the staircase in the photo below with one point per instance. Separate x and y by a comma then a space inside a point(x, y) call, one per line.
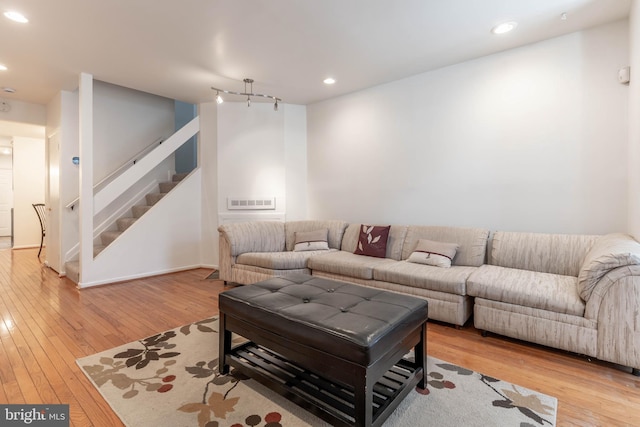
point(72, 268)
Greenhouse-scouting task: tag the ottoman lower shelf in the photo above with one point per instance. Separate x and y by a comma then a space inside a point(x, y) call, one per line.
point(328, 400)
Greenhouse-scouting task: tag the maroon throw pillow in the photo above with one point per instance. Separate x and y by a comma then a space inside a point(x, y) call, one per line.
point(373, 241)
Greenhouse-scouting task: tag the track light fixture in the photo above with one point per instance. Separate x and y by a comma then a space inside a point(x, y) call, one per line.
point(248, 93)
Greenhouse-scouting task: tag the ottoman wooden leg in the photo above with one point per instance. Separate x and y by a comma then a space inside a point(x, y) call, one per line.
point(421, 356)
point(363, 398)
point(224, 344)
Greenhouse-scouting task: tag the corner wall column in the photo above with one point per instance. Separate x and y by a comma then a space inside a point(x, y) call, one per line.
point(86, 176)
point(633, 198)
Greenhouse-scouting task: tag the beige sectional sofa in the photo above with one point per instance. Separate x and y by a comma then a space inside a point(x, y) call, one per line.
point(574, 292)
point(579, 293)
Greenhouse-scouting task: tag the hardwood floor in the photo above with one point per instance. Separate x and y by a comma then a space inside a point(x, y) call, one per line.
point(46, 324)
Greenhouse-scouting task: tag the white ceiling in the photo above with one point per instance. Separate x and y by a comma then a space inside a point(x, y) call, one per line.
point(180, 48)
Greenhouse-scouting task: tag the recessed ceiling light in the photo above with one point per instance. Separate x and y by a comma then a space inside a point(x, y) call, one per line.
point(329, 81)
point(3, 67)
point(504, 27)
point(16, 16)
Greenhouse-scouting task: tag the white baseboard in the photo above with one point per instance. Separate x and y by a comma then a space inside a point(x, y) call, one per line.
point(27, 247)
point(83, 285)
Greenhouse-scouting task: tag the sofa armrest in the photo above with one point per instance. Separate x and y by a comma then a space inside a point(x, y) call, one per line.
point(615, 304)
point(242, 237)
point(257, 236)
point(226, 261)
point(609, 252)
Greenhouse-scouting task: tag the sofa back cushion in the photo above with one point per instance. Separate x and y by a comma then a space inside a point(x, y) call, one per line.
point(397, 234)
point(256, 236)
point(472, 242)
point(334, 237)
point(608, 252)
point(547, 253)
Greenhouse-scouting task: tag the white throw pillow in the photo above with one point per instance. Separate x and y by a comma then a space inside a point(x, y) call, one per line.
point(311, 240)
point(429, 252)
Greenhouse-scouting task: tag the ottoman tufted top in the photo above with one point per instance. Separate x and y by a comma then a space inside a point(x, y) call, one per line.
point(350, 321)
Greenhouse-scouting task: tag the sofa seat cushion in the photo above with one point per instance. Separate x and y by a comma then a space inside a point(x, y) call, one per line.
point(347, 264)
point(278, 260)
point(545, 291)
point(450, 280)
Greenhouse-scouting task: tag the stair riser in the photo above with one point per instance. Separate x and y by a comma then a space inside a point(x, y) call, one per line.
point(153, 198)
point(138, 211)
point(109, 236)
point(179, 177)
point(165, 187)
point(72, 271)
point(124, 223)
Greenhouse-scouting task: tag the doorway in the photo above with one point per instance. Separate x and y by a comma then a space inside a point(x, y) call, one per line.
point(22, 166)
point(6, 197)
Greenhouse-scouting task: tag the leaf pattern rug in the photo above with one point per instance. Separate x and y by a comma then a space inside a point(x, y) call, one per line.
point(172, 379)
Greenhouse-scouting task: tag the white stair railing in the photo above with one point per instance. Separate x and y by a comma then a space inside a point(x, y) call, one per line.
point(113, 174)
point(121, 183)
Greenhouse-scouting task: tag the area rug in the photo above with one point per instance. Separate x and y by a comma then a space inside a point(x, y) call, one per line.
point(172, 379)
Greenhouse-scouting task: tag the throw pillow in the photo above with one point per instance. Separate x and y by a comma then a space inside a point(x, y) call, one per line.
point(373, 240)
point(429, 252)
point(311, 240)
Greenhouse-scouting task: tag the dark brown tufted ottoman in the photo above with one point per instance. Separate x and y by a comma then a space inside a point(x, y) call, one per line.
point(331, 347)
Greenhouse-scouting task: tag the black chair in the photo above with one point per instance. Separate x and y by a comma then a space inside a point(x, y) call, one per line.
point(39, 207)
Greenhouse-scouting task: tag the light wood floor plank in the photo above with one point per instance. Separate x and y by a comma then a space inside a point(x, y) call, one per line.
point(46, 323)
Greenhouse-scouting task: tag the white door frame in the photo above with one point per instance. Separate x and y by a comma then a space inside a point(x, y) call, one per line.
point(52, 201)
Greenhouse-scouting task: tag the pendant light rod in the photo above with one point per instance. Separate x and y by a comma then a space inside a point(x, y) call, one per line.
point(246, 93)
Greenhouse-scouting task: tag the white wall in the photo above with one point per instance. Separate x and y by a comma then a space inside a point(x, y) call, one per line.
point(531, 139)
point(295, 142)
point(259, 153)
point(62, 120)
point(125, 122)
point(634, 122)
point(208, 160)
point(28, 186)
point(251, 153)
